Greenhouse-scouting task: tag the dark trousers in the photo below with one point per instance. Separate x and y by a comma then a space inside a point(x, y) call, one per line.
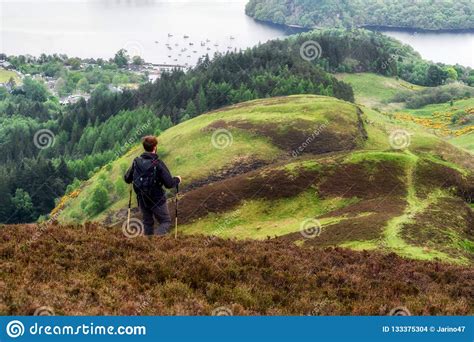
point(161, 214)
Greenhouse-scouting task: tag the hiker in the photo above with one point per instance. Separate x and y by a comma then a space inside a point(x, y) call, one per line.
point(148, 174)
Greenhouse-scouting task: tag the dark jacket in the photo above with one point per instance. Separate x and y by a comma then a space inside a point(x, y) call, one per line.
point(163, 177)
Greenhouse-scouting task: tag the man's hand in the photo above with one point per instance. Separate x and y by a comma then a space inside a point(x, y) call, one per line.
point(179, 177)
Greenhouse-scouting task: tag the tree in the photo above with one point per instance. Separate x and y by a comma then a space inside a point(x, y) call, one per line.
point(23, 206)
point(98, 201)
point(121, 58)
point(451, 73)
point(83, 85)
point(436, 75)
point(191, 110)
point(137, 60)
point(34, 90)
point(74, 63)
point(61, 87)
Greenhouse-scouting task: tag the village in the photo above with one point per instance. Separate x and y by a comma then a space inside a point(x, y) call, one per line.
point(11, 77)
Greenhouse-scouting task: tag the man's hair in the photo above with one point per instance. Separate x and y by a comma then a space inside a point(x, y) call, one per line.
point(149, 143)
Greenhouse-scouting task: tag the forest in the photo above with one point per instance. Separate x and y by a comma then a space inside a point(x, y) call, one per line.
point(422, 14)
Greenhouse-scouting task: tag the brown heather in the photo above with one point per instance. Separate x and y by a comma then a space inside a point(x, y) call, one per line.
point(92, 270)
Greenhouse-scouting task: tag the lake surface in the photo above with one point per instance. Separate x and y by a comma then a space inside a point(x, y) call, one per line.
point(445, 47)
point(155, 30)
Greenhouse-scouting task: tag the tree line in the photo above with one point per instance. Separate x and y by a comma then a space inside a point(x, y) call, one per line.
point(420, 14)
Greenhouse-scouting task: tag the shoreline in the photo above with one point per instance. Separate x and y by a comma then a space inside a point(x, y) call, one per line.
point(380, 28)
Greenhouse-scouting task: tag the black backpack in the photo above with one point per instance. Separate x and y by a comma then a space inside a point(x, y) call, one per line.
point(144, 177)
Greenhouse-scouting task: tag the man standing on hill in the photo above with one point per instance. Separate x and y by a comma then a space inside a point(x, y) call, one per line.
point(149, 174)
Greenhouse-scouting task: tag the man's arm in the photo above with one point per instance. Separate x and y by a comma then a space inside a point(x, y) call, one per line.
point(165, 176)
point(128, 177)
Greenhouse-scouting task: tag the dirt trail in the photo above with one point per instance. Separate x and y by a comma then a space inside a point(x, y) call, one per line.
point(415, 206)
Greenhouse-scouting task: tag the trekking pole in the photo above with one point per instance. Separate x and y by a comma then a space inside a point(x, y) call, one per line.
point(129, 210)
point(176, 213)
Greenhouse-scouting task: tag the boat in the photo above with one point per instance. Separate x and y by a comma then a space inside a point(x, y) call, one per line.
point(185, 37)
point(170, 35)
point(232, 37)
point(191, 44)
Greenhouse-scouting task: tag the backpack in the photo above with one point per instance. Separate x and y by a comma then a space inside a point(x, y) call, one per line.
point(144, 177)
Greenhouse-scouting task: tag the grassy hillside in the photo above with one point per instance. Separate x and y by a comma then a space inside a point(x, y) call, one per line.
point(259, 132)
point(453, 122)
point(92, 270)
point(283, 166)
point(449, 119)
point(375, 90)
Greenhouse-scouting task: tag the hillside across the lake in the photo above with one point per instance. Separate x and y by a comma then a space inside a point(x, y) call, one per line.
point(422, 14)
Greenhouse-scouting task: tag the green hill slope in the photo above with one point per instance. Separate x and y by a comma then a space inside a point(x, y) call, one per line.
point(310, 170)
point(450, 120)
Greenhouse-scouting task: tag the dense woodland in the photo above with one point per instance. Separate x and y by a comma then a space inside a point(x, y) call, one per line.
point(420, 14)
